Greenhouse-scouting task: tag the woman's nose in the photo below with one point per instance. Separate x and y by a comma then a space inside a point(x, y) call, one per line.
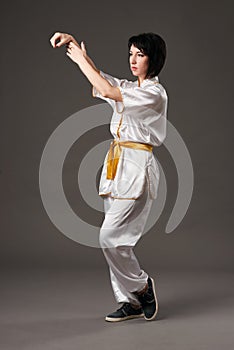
point(133, 59)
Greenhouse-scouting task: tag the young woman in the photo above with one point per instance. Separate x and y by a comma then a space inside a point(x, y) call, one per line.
point(130, 175)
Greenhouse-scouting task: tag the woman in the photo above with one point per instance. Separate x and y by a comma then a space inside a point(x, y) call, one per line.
point(130, 175)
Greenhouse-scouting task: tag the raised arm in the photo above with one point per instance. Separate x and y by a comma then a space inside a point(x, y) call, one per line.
point(79, 56)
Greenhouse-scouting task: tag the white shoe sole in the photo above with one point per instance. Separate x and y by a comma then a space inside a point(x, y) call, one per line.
point(109, 319)
point(156, 302)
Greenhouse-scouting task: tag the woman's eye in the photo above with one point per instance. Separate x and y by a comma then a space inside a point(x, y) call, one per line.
point(141, 55)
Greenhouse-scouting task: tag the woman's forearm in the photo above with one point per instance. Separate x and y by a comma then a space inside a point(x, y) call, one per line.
point(92, 73)
point(92, 64)
point(86, 56)
point(79, 56)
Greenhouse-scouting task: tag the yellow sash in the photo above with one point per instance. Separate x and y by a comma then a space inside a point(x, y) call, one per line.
point(115, 152)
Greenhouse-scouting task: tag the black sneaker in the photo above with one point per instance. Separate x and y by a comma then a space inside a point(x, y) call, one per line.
point(149, 301)
point(125, 312)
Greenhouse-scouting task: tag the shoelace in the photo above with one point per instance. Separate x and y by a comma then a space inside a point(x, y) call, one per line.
point(146, 298)
point(125, 306)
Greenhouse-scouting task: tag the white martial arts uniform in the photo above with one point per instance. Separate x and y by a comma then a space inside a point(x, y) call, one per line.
point(128, 195)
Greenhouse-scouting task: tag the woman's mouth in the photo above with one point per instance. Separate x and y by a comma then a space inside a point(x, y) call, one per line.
point(134, 68)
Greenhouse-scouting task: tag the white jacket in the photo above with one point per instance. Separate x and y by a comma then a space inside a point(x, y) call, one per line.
point(141, 117)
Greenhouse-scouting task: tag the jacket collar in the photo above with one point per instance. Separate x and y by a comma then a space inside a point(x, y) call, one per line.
point(152, 80)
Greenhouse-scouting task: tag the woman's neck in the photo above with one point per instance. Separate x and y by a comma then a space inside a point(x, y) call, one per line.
point(140, 80)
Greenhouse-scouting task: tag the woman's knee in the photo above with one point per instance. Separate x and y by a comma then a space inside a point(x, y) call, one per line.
point(105, 240)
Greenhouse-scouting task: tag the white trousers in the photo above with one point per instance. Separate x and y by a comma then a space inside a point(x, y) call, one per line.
point(121, 229)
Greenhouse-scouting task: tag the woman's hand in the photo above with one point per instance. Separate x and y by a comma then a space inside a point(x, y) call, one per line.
point(78, 54)
point(75, 52)
point(63, 38)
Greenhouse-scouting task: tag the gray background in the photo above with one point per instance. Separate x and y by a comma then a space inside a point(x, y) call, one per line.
point(41, 87)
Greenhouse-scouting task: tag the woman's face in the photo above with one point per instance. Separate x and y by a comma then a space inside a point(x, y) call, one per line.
point(138, 61)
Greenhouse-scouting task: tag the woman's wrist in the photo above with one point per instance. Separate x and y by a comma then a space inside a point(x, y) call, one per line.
point(82, 61)
point(74, 40)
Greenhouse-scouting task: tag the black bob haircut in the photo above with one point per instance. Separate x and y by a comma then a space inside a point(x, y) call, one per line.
point(153, 46)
